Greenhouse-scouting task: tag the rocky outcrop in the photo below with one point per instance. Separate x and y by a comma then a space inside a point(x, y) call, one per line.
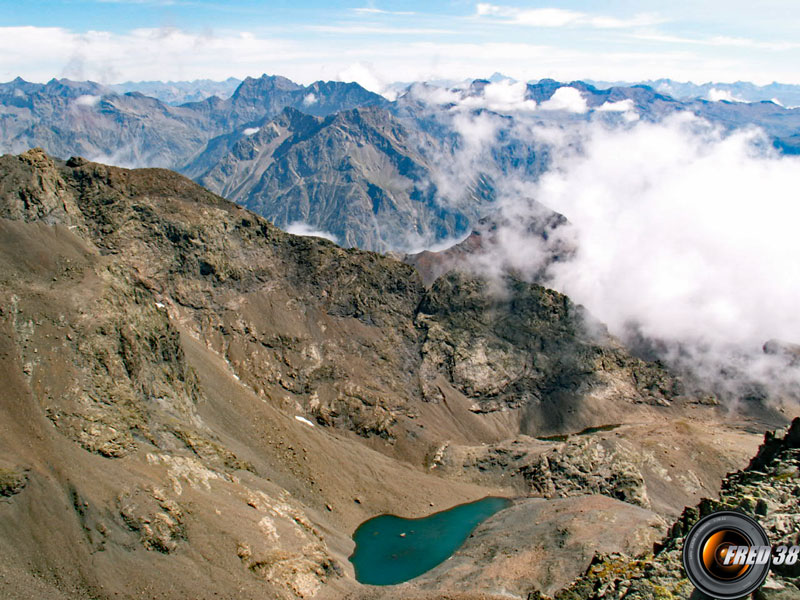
point(522, 346)
point(582, 466)
point(766, 490)
point(12, 481)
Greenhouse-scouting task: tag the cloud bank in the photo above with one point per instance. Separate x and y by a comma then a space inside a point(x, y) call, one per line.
point(681, 236)
point(683, 230)
point(560, 17)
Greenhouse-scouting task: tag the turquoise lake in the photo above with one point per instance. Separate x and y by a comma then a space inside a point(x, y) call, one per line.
point(392, 549)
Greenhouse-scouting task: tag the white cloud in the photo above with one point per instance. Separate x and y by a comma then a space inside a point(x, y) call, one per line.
point(251, 130)
point(717, 95)
point(309, 99)
point(434, 94)
point(720, 40)
point(686, 233)
point(504, 96)
point(365, 75)
point(355, 29)
point(369, 10)
point(682, 233)
point(640, 20)
point(87, 100)
point(40, 53)
point(304, 229)
point(665, 220)
point(540, 17)
point(566, 98)
point(560, 17)
point(619, 106)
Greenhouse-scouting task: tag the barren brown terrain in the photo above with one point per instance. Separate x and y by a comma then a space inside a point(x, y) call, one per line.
point(195, 404)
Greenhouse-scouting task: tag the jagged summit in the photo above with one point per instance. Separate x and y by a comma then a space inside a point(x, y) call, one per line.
point(256, 86)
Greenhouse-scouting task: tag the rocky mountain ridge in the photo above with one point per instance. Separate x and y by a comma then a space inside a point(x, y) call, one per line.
point(180, 92)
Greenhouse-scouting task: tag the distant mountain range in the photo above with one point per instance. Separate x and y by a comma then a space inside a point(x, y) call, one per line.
point(332, 155)
point(84, 118)
point(787, 95)
point(180, 92)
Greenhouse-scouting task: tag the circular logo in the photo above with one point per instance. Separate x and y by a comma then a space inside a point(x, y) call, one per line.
point(727, 555)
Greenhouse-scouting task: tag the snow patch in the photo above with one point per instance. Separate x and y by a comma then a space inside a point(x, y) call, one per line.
point(303, 420)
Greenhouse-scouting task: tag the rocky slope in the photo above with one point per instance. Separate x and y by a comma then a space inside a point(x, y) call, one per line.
point(192, 394)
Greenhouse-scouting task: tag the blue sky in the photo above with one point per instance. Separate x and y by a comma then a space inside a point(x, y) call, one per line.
point(380, 41)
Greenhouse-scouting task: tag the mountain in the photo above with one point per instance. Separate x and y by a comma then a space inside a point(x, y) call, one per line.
point(778, 122)
point(375, 174)
point(197, 404)
point(83, 118)
point(357, 174)
point(742, 91)
point(180, 92)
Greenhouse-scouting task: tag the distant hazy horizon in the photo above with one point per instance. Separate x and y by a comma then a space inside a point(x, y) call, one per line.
point(379, 42)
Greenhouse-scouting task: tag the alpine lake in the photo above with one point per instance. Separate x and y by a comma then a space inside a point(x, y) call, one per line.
point(391, 549)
